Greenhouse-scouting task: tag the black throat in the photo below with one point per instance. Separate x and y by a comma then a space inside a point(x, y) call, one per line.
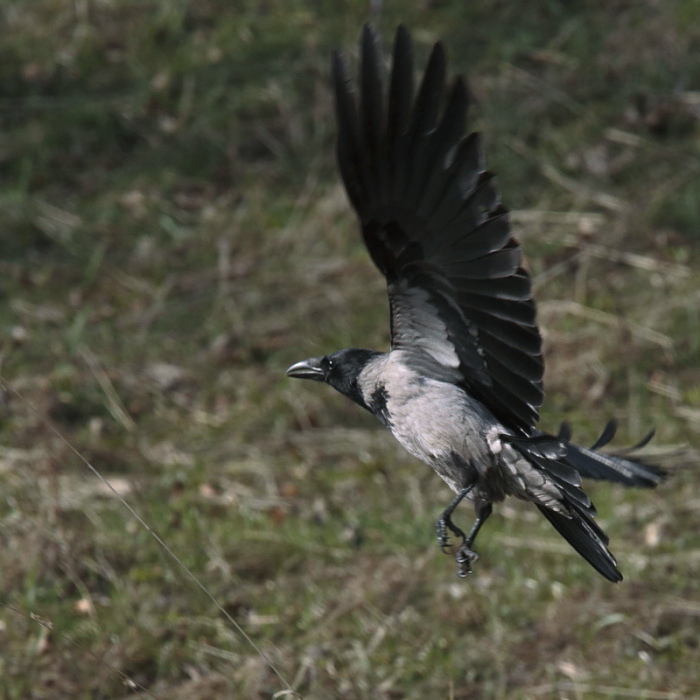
point(344, 376)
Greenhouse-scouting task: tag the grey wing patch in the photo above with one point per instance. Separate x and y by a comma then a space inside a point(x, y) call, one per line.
point(420, 331)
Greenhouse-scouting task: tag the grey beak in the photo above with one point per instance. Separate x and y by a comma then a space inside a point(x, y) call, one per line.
point(307, 369)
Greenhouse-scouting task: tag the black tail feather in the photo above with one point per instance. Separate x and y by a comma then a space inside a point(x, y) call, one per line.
point(564, 463)
point(616, 467)
point(586, 537)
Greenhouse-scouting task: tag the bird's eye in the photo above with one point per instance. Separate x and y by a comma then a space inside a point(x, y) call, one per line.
point(329, 364)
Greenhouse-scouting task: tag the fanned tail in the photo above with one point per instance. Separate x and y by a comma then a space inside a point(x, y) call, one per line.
point(563, 464)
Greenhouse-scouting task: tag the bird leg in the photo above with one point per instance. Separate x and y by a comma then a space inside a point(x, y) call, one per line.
point(444, 522)
point(465, 555)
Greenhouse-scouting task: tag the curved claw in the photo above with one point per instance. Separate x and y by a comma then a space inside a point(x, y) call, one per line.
point(464, 558)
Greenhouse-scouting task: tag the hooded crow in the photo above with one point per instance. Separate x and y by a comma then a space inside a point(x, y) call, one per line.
point(461, 385)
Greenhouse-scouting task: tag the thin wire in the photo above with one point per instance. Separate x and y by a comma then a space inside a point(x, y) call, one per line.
point(48, 625)
point(157, 538)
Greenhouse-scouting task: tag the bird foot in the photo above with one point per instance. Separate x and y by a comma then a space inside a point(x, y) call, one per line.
point(441, 527)
point(464, 557)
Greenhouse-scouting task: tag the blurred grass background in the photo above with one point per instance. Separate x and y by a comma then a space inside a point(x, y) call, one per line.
point(174, 235)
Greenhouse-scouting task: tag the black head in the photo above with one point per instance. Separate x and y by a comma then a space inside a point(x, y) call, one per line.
point(340, 369)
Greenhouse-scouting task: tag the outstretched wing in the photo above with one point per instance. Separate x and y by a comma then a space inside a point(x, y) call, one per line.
point(461, 306)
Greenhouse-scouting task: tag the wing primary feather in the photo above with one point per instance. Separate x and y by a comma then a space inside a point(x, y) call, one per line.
point(429, 98)
point(422, 130)
point(494, 265)
point(485, 237)
point(371, 109)
point(462, 208)
point(513, 288)
point(441, 144)
point(470, 162)
point(399, 112)
point(461, 166)
point(349, 146)
point(501, 308)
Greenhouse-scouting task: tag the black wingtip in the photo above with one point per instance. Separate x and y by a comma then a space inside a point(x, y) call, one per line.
point(338, 69)
point(437, 61)
point(402, 41)
point(369, 36)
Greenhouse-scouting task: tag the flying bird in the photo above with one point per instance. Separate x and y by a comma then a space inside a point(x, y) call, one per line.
point(461, 386)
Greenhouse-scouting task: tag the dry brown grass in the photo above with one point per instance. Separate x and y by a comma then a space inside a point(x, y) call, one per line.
point(175, 236)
